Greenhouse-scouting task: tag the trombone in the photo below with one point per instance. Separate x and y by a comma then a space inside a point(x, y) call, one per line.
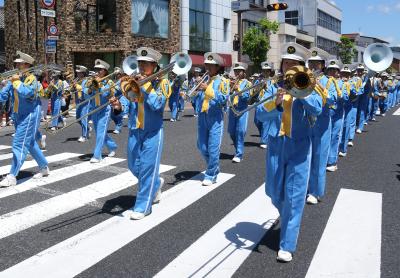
point(298, 81)
point(8, 74)
point(193, 92)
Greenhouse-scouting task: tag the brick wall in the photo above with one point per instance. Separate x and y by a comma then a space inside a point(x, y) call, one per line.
point(30, 37)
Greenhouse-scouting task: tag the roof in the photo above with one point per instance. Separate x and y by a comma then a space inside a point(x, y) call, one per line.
point(356, 35)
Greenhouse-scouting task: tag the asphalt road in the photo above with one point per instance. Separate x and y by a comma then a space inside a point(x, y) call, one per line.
point(373, 165)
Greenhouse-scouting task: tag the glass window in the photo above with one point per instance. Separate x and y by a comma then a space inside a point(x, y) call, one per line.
point(226, 28)
point(107, 14)
point(150, 18)
point(292, 17)
point(199, 26)
point(327, 45)
point(329, 22)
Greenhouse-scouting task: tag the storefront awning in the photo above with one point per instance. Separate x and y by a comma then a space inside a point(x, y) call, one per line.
point(198, 60)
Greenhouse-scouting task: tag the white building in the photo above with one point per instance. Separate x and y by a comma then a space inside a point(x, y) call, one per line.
point(206, 26)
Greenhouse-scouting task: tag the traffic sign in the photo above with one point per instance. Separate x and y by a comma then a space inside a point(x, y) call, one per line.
point(238, 6)
point(51, 46)
point(48, 3)
point(53, 38)
point(48, 13)
point(52, 30)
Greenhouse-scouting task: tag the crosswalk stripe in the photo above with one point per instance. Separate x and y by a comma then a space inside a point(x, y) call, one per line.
point(9, 155)
point(57, 175)
point(89, 247)
point(351, 242)
point(32, 163)
point(221, 250)
point(4, 147)
point(397, 112)
point(30, 216)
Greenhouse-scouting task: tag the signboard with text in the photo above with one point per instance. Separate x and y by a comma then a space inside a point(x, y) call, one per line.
point(238, 6)
point(48, 13)
point(51, 46)
point(48, 4)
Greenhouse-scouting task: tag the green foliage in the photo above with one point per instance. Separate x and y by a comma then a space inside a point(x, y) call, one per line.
point(346, 50)
point(256, 41)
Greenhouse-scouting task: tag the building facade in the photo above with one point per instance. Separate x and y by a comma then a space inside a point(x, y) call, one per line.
point(91, 29)
point(2, 41)
point(206, 26)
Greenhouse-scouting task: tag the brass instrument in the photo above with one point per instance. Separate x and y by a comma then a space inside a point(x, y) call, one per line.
point(298, 81)
point(194, 91)
point(9, 74)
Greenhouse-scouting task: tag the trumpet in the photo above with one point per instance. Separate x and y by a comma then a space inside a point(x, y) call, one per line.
point(193, 92)
point(9, 74)
point(298, 81)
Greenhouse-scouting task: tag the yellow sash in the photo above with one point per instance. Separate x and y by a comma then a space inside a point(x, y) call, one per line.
point(208, 95)
point(286, 124)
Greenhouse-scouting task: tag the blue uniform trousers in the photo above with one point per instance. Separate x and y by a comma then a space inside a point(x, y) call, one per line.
point(336, 136)
point(289, 161)
point(100, 122)
point(144, 156)
point(55, 110)
point(362, 111)
point(84, 123)
point(210, 133)
point(237, 128)
point(383, 105)
point(173, 106)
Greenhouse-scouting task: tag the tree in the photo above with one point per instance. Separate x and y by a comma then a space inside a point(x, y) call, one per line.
point(256, 41)
point(346, 50)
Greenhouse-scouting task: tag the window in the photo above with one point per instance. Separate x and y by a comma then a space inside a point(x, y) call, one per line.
point(329, 22)
point(106, 16)
point(226, 29)
point(290, 38)
point(292, 17)
point(327, 45)
point(150, 18)
point(199, 24)
point(257, 2)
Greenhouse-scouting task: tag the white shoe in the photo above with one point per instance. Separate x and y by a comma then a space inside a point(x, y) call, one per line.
point(3, 124)
point(383, 115)
point(207, 182)
point(43, 173)
point(312, 200)
point(358, 131)
point(8, 181)
point(53, 129)
point(195, 115)
point(342, 154)
point(332, 168)
point(134, 215)
point(94, 160)
point(90, 129)
point(236, 159)
point(111, 154)
point(90, 122)
point(12, 135)
point(172, 120)
point(82, 139)
point(116, 132)
point(284, 256)
point(157, 197)
point(350, 144)
point(263, 146)
point(64, 122)
point(365, 123)
point(43, 141)
point(374, 119)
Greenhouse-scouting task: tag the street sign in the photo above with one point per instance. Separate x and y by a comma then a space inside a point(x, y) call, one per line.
point(48, 3)
point(238, 6)
point(53, 38)
point(51, 46)
point(48, 13)
point(52, 30)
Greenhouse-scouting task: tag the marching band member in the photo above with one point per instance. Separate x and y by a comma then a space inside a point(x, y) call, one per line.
point(56, 89)
point(146, 133)
point(350, 109)
point(363, 92)
point(237, 126)
point(173, 101)
point(342, 89)
point(101, 119)
point(80, 96)
point(373, 98)
point(196, 77)
point(212, 99)
point(263, 126)
point(289, 150)
point(398, 90)
point(322, 129)
point(391, 92)
point(384, 87)
point(26, 108)
point(118, 116)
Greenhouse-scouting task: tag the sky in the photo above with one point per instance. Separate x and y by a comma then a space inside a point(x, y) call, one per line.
point(373, 18)
point(1, 2)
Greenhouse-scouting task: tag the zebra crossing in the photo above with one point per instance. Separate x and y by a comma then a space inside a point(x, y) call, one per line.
point(219, 252)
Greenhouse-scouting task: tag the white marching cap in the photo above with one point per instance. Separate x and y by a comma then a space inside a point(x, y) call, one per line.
point(346, 68)
point(119, 70)
point(334, 64)
point(148, 54)
point(294, 51)
point(318, 54)
point(56, 73)
point(92, 73)
point(197, 69)
point(240, 66)
point(80, 68)
point(360, 67)
point(213, 58)
point(100, 64)
point(24, 58)
point(265, 66)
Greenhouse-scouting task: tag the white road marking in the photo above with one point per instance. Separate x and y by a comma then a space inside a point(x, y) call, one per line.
point(351, 243)
point(32, 163)
point(89, 247)
point(9, 155)
point(30, 216)
point(397, 112)
point(57, 175)
point(221, 251)
point(4, 147)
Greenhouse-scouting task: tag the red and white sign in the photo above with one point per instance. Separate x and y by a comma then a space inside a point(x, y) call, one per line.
point(52, 30)
point(48, 3)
